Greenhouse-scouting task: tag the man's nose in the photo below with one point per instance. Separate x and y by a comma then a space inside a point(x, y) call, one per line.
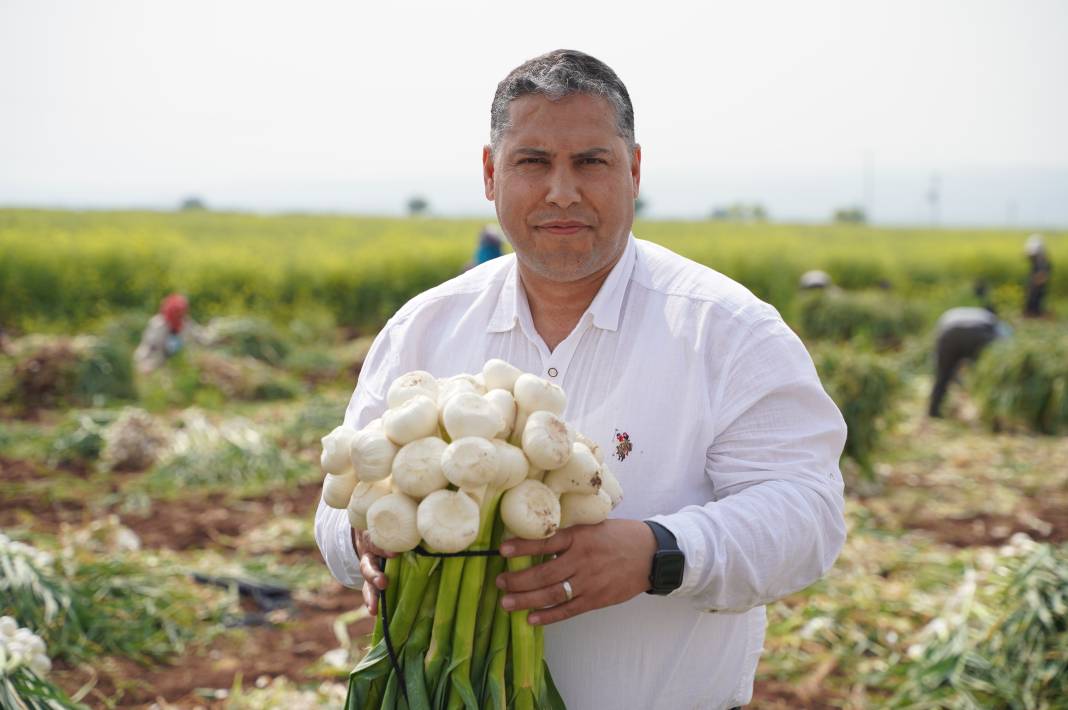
point(563, 188)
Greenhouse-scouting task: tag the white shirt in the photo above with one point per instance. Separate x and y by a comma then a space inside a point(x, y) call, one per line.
point(735, 449)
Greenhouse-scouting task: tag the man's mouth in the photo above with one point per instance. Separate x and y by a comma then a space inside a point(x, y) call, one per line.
point(562, 227)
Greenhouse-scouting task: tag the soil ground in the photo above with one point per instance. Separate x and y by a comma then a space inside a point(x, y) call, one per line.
point(975, 490)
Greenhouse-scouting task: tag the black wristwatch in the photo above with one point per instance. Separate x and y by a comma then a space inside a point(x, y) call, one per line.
point(668, 562)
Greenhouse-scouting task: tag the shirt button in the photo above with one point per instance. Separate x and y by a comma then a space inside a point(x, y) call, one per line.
point(553, 372)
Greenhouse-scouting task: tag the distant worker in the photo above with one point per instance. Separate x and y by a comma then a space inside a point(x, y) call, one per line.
point(815, 280)
point(1038, 277)
point(489, 246)
point(960, 335)
point(164, 334)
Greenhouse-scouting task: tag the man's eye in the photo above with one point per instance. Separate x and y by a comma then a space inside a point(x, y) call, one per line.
point(593, 161)
point(529, 161)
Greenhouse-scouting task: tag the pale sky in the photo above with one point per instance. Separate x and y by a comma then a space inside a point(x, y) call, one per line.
point(354, 106)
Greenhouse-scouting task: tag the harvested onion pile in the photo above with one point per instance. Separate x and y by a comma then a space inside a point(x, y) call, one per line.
point(455, 466)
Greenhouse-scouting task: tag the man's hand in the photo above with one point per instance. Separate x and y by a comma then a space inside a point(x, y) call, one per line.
point(373, 577)
point(606, 564)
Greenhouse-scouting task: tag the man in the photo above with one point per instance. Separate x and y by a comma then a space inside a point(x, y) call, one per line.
point(733, 444)
point(961, 334)
point(1037, 277)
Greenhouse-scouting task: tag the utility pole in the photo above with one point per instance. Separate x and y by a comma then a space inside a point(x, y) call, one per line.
point(869, 186)
point(1011, 210)
point(934, 195)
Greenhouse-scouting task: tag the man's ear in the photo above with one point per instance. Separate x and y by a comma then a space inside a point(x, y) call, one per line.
point(487, 171)
point(636, 168)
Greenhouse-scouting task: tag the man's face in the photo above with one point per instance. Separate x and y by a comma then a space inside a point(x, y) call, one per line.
point(564, 183)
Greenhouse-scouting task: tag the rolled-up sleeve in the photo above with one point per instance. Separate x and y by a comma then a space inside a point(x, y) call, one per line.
point(776, 522)
point(335, 543)
point(332, 529)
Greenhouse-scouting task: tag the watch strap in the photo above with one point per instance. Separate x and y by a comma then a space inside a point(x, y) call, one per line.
point(665, 539)
point(668, 560)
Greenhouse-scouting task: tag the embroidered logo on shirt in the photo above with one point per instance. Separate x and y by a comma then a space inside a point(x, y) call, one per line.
point(623, 445)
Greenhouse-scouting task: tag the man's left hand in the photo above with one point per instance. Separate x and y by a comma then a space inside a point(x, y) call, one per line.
point(605, 564)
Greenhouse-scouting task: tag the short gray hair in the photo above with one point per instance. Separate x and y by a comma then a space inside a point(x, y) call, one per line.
point(561, 73)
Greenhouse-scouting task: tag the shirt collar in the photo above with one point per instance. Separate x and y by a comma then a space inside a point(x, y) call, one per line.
point(605, 308)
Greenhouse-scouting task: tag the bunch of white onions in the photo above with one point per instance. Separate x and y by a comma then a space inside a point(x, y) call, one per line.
point(21, 647)
point(458, 464)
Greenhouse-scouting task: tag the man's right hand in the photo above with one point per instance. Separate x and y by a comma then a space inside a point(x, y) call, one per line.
point(374, 578)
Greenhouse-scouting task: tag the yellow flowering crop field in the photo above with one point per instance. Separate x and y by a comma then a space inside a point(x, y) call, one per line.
point(63, 270)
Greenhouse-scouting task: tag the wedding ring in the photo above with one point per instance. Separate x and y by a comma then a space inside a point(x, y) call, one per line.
point(567, 589)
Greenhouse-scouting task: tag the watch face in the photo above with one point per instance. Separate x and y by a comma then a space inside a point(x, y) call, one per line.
point(667, 569)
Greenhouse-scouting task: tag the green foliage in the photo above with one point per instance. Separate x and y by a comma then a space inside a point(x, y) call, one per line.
point(210, 379)
point(24, 440)
point(316, 419)
point(876, 318)
point(227, 466)
point(249, 337)
point(8, 383)
point(275, 388)
point(105, 374)
point(850, 215)
point(313, 325)
point(741, 212)
point(1005, 646)
point(193, 204)
point(60, 371)
point(1022, 382)
point(124, 329)
point(417, 205)
point(864, 386)
point(314, 365)
point(80, 440)
point(231, 456)
point(176, 384)
point(83, 606)
point(25, 690)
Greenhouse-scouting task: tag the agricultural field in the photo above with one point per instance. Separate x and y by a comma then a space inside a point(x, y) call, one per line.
point(156, 530)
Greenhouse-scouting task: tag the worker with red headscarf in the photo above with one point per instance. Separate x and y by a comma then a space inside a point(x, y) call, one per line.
point(164, 335)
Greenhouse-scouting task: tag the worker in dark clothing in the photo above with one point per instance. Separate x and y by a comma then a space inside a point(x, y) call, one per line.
point(1038, 277)
point(490, 243)
point(960, 335)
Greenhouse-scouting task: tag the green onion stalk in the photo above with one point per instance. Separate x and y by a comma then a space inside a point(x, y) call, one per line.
point(524, 690)
point(495, 687)
point(455, 646)
point(487, 607)
point(462, 694)
point(441, 634)
point(414, 679)
point(366, 680)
